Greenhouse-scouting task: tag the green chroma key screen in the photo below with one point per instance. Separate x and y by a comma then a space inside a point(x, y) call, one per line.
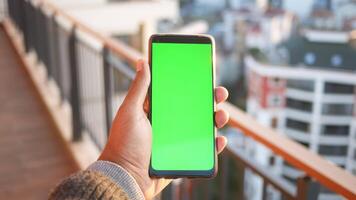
point(182, 106)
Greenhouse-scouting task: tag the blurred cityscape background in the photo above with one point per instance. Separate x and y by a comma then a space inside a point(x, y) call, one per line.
point(289, 64)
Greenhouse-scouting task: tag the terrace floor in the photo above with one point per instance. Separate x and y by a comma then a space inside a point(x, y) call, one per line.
point(33, 157)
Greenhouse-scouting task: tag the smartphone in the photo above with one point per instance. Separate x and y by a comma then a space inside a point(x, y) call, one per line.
point(182, 106)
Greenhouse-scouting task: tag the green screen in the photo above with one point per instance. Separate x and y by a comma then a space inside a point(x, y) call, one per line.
point(182, 106)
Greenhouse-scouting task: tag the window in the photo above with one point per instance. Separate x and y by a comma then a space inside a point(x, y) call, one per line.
point(271, 160)
point(309, 58)
point(325, 190)
point(274, 122)
point(336, 88)
point(335, 130)
point(285, 163)
point(337, 109)
point(275, 100)
point(299, 104)
point(298, 125)
point(301, 84)
point(291, 180)
point(275, 82)
point(304, 144)
point(333, 150)
point(336, 60)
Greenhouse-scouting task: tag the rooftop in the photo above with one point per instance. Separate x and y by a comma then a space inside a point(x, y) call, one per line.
point(314, 49)
point(329, 50)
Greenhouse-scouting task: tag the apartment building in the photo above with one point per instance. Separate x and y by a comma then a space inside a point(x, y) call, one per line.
point(310, 97)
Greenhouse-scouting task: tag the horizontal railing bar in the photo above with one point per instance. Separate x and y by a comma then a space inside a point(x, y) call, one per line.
point(89, 41)
point(282, 185)
point(64, 23)
point(46, 11)
point(327, 173)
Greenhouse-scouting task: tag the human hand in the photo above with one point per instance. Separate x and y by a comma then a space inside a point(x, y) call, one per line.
point(129, 143)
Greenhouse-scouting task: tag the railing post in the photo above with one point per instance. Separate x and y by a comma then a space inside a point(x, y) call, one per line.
point(52, 54)
point(41, 36)
point(28, 26)
point(9, 8)
point(224, 175)
point(264, 189)
point(75, 88)
point(38, 33)
point(27, 33)
point(4, 10)
point(307, 189)
point(22, 17)
point(108, 88)
point(46, 47)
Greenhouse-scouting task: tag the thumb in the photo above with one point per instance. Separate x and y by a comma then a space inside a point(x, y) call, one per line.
point(138, 89)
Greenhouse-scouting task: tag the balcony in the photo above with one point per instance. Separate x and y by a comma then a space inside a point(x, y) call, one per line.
point(333, 140)
point(335, 120)
point(77, 76)
point(338, 98)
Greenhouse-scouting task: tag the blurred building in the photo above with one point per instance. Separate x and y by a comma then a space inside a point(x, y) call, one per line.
point(302, 10)
point(143, 17)
point(306, 89)
point(263, 28)
point(246, 26)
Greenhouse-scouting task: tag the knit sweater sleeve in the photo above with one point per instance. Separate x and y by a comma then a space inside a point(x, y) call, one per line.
point(102, 180)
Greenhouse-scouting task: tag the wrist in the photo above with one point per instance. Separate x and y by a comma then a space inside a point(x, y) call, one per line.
point(121, 177)
point(136, 172)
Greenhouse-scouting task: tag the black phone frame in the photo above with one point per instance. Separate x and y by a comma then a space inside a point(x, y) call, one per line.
point(179, 38)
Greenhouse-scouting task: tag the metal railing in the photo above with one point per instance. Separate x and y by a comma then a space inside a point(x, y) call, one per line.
point(3, 9)
point(81, 63)
point(93, 73)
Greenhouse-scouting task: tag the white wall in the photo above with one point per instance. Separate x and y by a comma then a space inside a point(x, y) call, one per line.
point(78, 4)
point(126, 17)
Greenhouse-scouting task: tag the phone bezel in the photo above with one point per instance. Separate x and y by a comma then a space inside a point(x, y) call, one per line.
point(179, 38)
